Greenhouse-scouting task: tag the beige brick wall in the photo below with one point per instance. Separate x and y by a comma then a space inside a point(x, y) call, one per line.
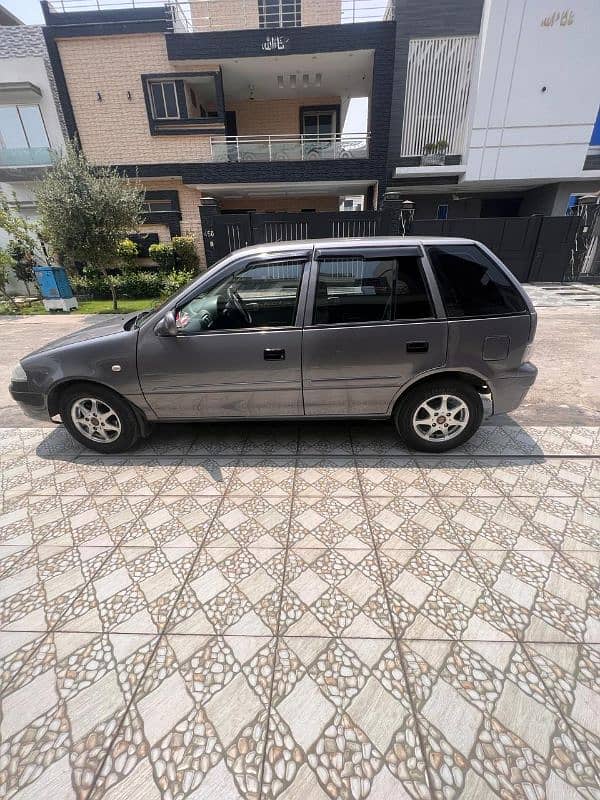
point(321, 12)
point(115, 130)
point(281, 204)
point(163, 232)
point(225, 15)
point(256, 117)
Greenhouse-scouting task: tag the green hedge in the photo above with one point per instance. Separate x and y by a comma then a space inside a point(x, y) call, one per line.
point(131, 284)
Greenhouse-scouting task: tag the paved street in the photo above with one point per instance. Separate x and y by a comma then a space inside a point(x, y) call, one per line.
point(245, 611)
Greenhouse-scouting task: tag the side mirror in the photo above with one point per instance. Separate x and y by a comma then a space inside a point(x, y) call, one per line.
point(167, 326)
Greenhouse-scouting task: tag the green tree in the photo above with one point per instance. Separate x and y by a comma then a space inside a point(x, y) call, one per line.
point(6, 264)
point(86, 212)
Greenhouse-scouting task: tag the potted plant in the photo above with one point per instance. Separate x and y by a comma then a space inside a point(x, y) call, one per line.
point(434, 154)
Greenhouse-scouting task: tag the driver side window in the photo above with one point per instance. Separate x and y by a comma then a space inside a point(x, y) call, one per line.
point(262, 295)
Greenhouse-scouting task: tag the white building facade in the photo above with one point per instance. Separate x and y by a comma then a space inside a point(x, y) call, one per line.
point(31, 123)
point(498, 113)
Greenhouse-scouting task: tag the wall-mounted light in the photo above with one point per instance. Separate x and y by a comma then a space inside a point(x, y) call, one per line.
point(129, 97)
point(318, 78)
point(305, 80)
point(280, 84)
point(292, 81)
point(98, 97)
point(251, 91)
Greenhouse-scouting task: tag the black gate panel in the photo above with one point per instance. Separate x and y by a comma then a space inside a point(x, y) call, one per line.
point(554, 249)
point(512, 239)
point(224, 233)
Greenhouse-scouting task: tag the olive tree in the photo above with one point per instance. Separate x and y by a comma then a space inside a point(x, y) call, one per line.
point(86, 212)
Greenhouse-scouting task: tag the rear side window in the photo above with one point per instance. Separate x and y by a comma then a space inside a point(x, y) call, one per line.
point(471, 284)
point(356, 289)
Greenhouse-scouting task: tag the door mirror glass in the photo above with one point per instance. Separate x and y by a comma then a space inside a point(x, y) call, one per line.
point(167, 326)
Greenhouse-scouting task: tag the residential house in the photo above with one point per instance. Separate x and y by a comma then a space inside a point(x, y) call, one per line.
point(226, 107)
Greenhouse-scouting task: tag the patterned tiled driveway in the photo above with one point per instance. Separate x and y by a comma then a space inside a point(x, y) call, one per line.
point(300, 613)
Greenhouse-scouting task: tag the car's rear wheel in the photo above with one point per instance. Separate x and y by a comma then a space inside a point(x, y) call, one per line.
point(99, 418)
point(438, 416)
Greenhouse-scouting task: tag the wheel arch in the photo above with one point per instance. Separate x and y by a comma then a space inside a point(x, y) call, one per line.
point(470, 377)
point(59, 387)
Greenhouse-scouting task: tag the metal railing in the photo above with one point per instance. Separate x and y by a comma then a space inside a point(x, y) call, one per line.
point(301, 147)
point(219, 15)
point(25, 156)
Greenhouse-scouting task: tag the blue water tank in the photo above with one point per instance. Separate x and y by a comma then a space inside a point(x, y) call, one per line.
point(53, 282)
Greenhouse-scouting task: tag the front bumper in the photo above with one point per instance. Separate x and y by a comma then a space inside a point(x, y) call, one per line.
point(509, 392)
point(32, 404)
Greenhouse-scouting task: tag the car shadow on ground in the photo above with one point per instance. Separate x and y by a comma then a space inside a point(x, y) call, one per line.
point(263, 440)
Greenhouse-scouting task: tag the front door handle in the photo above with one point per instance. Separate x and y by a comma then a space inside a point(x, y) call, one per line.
point(274, 354)
point(417, 347)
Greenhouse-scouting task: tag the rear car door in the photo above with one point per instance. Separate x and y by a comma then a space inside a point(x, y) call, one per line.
point(490, 324)
point(225, 364)
point(370, 326)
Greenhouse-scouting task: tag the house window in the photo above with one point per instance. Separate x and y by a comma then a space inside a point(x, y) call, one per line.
point(321, 124)
point(164, 100)
point(156, 206)
point(442, 211)
point(279, 13)
point(22, 127)
point(183, 100)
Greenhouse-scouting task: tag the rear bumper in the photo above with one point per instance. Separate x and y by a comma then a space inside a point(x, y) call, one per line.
point(509, 392)
point(32, 404)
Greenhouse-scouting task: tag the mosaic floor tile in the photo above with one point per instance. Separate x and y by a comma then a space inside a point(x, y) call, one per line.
point(201, 476)
point(283, 611)
point(266, 476)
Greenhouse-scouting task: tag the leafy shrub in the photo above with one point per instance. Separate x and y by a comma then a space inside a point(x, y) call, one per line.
point(128, 252)
point(185, 252)
point(164, 255)
point(176, 280)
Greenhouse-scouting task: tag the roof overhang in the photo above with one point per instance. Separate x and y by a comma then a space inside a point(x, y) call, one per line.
point(291, 189)
point(20, 91)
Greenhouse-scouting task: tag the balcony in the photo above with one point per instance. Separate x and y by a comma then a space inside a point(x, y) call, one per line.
point(194, 16)
point(25, 157)
point(301, 147)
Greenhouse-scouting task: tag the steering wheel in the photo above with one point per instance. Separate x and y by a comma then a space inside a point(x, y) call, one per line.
point(234, 298)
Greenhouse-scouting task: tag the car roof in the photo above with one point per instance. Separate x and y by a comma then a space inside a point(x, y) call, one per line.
point(359, 241)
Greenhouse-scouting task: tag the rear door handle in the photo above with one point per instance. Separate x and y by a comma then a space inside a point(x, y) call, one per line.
point(417, 347)
point(274, 354)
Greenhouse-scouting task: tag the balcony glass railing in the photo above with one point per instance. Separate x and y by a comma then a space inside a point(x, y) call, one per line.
point(219, 15)
point(303, 147)
point(25, 157)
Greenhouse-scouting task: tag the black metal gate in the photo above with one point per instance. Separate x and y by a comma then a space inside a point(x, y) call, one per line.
point(534, 248)
point(224, 233)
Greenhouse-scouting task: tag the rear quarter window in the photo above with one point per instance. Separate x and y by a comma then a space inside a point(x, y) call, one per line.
point(471, 284)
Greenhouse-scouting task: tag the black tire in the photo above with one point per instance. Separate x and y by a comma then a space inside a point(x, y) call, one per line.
point(410, 402)
point(130, 429)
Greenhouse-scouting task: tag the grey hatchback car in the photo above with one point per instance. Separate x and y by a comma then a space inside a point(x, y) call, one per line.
point(420, 331)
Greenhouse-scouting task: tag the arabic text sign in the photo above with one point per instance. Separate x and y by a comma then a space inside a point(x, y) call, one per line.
point(559, 18)
point(275, 43)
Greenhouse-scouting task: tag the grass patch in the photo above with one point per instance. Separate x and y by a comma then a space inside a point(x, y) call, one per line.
point(126, 306)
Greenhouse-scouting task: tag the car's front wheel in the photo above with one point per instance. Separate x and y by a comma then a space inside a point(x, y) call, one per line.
point(438, 416)
point(99, 418)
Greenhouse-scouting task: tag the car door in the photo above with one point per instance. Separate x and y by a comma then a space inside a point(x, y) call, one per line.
point(370, 326)
point(221, 364)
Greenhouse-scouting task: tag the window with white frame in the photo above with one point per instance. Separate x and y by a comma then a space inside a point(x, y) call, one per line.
point(163, 96)
point(279, 13)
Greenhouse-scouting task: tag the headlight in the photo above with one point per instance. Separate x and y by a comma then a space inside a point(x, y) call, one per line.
point(18, 373)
